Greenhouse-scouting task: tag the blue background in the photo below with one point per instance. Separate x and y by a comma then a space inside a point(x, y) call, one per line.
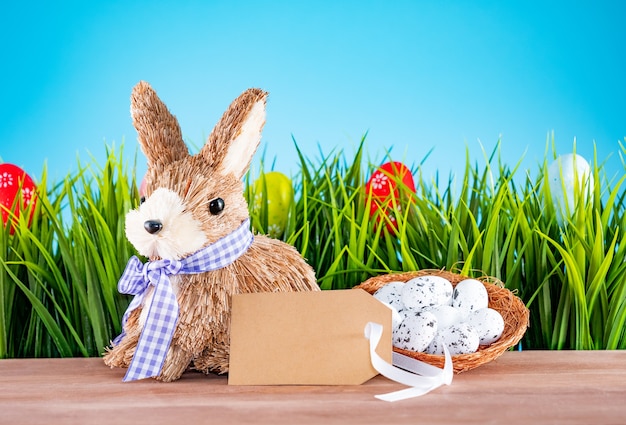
point(415, 75)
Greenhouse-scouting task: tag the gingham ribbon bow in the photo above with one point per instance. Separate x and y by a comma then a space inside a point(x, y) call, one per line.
point(158, 330)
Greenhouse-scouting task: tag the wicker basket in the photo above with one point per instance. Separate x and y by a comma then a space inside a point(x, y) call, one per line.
point(512, 309)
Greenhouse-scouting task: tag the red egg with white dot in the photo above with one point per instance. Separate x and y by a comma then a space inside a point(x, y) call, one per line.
point(385, 187)
point(17, 194)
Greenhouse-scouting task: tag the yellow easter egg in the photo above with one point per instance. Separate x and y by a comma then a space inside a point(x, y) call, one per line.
point(277, 190)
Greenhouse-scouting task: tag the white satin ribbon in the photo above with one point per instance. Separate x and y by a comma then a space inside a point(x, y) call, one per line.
point(420, 376)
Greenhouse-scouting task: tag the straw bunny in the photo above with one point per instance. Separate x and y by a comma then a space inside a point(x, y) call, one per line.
point(195, 204)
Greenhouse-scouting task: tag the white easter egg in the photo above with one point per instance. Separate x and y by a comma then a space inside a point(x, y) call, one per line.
point(426, 291)
point(446, 315)
point(390, 294)
point(436, 345)
point(568, 174)
point(488, 323)
point(470, 295)
point(442, 289)
point(460, 339)
point(416, 331)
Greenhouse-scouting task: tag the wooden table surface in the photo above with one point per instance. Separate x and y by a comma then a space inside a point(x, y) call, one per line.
point(530, 387)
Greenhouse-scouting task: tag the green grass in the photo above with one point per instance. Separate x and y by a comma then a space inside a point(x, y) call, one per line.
point(58, 278)
point(570, 274)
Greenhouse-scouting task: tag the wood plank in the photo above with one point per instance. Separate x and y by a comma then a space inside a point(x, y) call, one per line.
point(567, 387)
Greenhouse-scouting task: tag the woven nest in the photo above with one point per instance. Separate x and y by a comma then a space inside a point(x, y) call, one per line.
point(512, 309)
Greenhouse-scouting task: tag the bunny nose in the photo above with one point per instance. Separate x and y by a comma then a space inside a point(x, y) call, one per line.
point(153, 226)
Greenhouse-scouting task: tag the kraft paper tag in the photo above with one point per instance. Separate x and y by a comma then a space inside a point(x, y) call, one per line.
point(305, 338)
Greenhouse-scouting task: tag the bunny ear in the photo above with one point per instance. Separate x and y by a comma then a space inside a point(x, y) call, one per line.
point(158, 131)
point(237, 135)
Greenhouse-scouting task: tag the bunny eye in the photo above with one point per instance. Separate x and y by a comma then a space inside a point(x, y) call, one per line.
point(216, 206)
point(142, 200)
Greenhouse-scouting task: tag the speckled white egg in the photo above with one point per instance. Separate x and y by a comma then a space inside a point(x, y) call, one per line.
point(470, 295)
point(436, 345)
point(446, 315)
point(426, 291)
point(488, 323)
point(390, 294)
point(416, 331)
point(460, 339)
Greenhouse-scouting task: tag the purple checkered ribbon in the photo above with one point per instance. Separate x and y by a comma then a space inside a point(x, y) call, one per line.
point(163, 311)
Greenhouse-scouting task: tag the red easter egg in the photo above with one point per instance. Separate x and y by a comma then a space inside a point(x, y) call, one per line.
point(14, 183)
point(383, 186)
